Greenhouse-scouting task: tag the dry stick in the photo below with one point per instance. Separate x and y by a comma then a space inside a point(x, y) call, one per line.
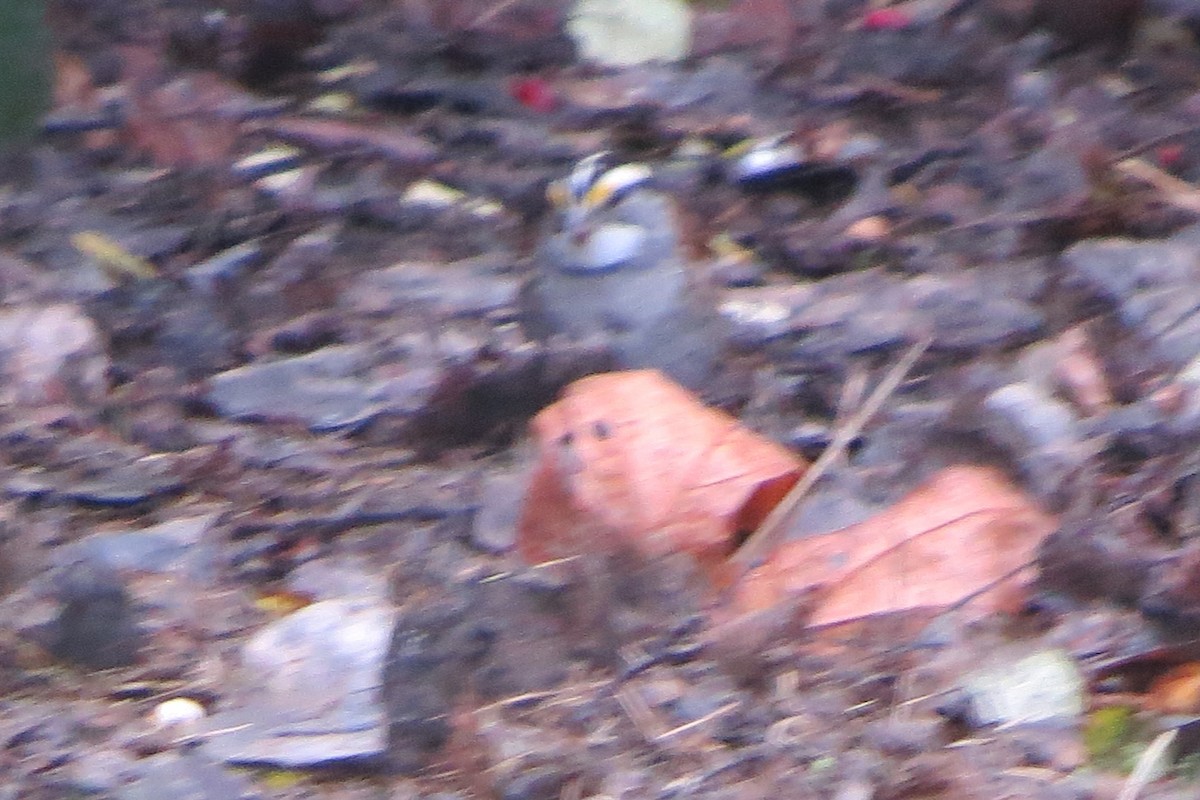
point(1149, 144)
point(639, 714)
point(1148, 764)
point(767, 535)
point(491, 13)
point(1178, 193)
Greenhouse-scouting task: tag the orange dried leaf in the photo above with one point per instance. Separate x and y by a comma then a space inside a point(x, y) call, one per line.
point(188, 122)
point(630, 460)
point(73, 86)
point(1176, 691)
point(968, 531)
point(76, 94)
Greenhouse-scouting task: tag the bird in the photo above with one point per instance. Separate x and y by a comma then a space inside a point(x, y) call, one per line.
point(611, 266)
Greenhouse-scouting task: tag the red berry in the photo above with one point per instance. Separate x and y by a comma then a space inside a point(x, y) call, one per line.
point(1169, 155)
point(886, 19)
point(533, 93)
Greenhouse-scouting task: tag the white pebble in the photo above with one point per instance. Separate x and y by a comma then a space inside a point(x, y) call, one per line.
point(179, 711)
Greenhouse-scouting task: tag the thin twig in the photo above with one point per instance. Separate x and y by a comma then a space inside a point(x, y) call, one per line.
point(1178, 193)
point(687, 726)
point(491, 13)
point(639, 713)
point(1148, 764)
point(1151, 143)
point(768, 534)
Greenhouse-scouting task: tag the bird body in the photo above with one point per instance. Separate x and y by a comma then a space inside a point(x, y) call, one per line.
point(610, 265)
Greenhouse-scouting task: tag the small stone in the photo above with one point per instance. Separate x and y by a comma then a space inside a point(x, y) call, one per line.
point(95, 772)
point(1122, 267)
point(493, 635)
point(178, 712)
point(125, 485)
point(96, 626)
point(1039, 432)
point(903, 737)
point(1022, 416)
point(1032, 89)
point(50, 354)
point(174, 545)
point(964, 315)
point(319, 389)
point(1045, 685)
point(424, 665)
point(539, 783)
point(869, 229)
point(853, 789)
point(494, 529)
point(469, 288)
point(326, 658)
point(188, 775)
point(215, 273)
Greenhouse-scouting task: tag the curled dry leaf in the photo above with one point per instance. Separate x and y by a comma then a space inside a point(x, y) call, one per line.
point(1176, 691)
point(632, 461)
point(966, 532)
point(187, 122)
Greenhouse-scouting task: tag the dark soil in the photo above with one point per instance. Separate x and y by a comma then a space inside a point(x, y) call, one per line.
point(246, 366)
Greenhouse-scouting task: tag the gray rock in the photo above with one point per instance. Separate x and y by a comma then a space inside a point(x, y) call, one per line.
point(538, 783)
point(1040, 433)
point(321, 389)
point(903, 737)
point(96, 625)
point(119, 485)
point(474, 287)
point(1021, 416)
point(176, 544)
point(824, 323)
point(426, 667)
point(494, 528)
point(188, 776)
point(1121, 267)
point(1154, 285)
point(1051, 177)
point(507, 644)
point(334, 577)
point(210, 275)
point(1016, 689)
point(94, 772)
point(311, 690)
point(964, 316)
point(48, 354)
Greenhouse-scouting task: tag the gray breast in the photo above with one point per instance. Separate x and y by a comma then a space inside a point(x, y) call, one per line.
point(618, 272)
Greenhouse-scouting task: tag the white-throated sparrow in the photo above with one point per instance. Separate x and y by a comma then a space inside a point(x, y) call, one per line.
point(611, 265)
